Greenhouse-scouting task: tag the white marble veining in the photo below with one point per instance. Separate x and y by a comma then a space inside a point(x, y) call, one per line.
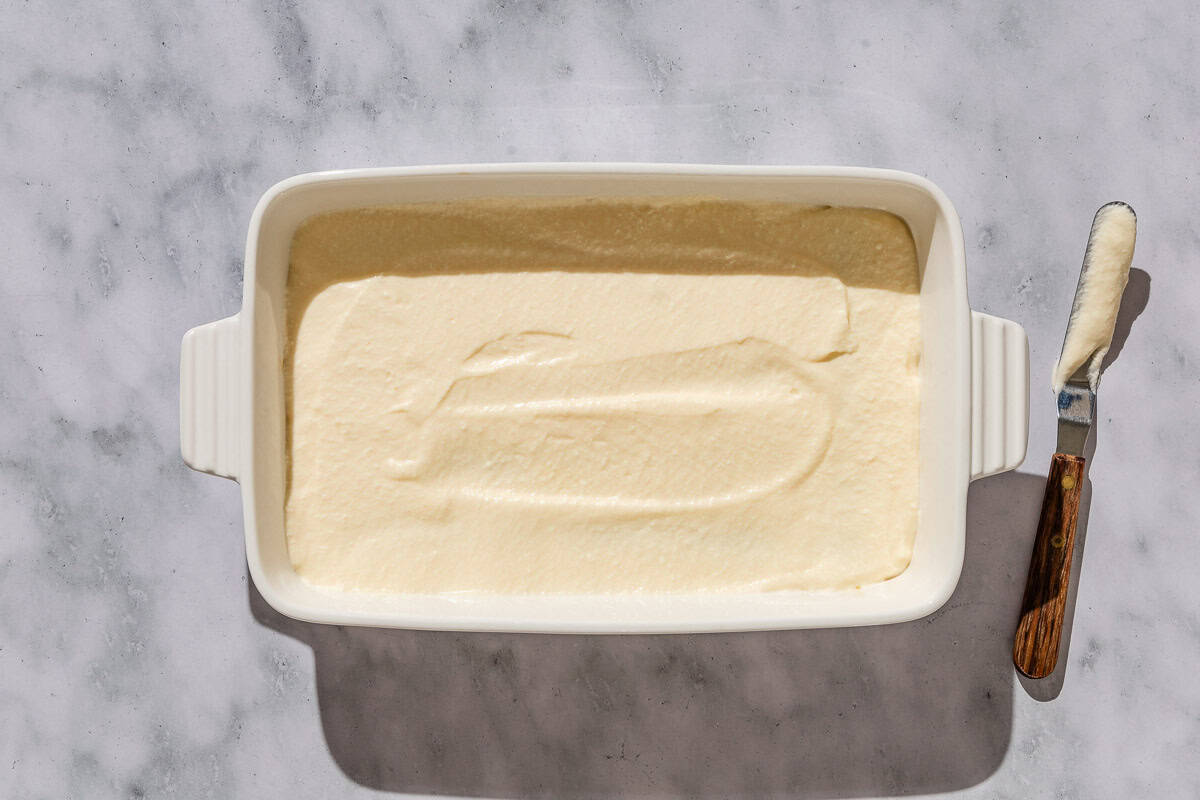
point(135, 660)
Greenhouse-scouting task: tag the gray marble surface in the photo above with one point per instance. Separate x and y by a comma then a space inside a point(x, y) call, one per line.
point(137, 661)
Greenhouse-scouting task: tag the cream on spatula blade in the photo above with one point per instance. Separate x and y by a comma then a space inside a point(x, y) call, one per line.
point(1101, 284)
point(1076, 378)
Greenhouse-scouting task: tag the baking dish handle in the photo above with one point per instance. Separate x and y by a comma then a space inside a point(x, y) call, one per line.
point(210, 434)
point(999, 395)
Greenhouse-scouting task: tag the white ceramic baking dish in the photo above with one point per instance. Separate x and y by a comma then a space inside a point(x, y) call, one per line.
point(973, 418)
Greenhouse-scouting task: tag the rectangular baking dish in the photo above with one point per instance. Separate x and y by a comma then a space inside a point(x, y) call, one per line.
point(973, 415)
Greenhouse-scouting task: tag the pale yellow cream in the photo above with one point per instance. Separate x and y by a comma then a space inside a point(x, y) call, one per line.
point(579, 396)
point(1098, 296)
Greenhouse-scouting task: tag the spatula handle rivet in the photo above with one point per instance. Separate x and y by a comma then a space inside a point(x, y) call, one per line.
point(1068, 482)
point(1057, 541)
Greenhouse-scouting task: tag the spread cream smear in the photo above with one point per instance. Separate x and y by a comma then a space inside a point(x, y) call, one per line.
point(1098, 298)
point(598, 396)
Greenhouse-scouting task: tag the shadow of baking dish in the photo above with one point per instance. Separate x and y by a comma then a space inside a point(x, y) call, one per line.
point(915, 708)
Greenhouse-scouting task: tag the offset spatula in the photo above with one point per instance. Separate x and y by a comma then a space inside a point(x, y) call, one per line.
point(1076, 378)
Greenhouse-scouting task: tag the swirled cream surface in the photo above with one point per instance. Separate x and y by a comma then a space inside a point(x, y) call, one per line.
point(596, 396)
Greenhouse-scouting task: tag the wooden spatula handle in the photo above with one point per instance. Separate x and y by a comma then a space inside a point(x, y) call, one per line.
point(1035, 647)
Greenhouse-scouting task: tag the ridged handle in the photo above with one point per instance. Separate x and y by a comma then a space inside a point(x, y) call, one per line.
point(210, 435)
point(999, 395)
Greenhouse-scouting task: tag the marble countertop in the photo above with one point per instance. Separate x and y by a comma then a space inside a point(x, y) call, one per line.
point(137, 661)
